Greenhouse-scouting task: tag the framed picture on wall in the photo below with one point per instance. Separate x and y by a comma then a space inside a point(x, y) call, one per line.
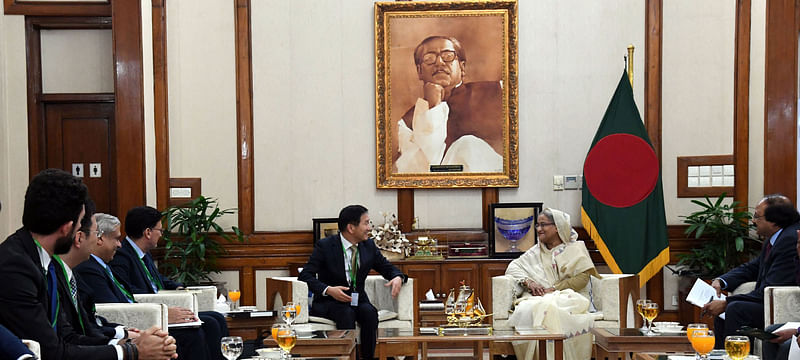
point(324, 227)
point(446, 94)
point(511, 228)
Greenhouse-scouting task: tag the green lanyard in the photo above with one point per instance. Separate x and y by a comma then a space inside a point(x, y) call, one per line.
point(66, 276)
point(58, 303)
point(152, 281)
point(353, 269)
point(119, 286)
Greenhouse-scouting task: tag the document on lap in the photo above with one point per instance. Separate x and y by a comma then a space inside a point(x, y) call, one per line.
point(702, 293)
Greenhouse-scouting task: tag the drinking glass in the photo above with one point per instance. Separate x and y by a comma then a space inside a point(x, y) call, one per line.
point(692, 327)
point(650, 311)
point(639, 304)
point(276, 328)
point(287, 338)
point(233, 296)
point(232, 347)
point(297, 307)
point(288, 313)
point(703, 342)
point(737, 347)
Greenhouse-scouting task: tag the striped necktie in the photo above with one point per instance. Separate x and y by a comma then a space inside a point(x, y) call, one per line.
point(73, 291)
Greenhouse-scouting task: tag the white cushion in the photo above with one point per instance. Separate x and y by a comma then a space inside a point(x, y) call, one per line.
point(384, 315)
point(321, 320)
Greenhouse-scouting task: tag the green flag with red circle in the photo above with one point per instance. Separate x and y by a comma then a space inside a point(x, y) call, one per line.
point(623, 200)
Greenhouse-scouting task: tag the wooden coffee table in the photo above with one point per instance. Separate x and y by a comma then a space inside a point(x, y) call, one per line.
point(324, 343)
point(617, 343)
point(408, 342)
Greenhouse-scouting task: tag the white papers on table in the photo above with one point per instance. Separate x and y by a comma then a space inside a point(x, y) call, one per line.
point(789, 325)
point(703, 293)
point(794, 350)
point(186, 324)
point(429, 295)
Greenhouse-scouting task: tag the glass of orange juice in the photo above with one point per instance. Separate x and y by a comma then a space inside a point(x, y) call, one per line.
point(692, 327)
point(703, 342)
point(650, 311)
point(233, 296)
point(276, 328)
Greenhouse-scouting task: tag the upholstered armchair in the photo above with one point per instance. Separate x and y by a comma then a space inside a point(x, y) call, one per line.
point(614, 296)
point(400, 312)
point(171, 298)
point(138, 315)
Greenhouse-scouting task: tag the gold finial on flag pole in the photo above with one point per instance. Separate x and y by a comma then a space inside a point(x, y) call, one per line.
point(630, 64)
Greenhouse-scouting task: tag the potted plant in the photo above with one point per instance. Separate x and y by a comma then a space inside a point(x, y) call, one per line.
point(725, 228)
point(192, 240)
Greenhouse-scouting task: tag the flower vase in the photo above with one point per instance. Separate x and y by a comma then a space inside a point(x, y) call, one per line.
point(392, 256)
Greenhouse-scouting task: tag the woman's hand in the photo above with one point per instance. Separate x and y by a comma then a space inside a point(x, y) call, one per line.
point(535, 288)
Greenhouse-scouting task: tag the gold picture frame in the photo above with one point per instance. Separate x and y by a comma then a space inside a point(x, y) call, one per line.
point(421, 50)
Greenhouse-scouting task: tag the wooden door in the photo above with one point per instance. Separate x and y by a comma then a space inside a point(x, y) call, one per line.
point(426, 276)
point(83, 133)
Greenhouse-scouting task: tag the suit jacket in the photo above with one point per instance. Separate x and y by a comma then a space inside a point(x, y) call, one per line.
point(24, 307)
point(85, 332)
point(775, 270)
point(325, 268)
point(127, 268)
point(11, 347)
point(476, 108)
point(96, 286)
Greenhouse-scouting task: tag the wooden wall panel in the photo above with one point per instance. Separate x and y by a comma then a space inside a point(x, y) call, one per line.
point(129, 84)
point(50, 8)
point(780, 99)
point(244, 116)
point(161, 102)
point(741, 101)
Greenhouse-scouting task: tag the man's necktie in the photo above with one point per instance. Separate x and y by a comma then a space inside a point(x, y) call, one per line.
point(52, 285)
point(767, 250)
point(353, 263)
point(73, 291)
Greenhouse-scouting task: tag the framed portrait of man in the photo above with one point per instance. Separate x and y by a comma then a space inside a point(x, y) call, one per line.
point(446, 94)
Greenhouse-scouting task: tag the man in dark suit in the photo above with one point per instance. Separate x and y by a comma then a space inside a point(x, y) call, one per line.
point(133, 265)
point(97, 284)
point(336, 272)
point(12, 348)
point(456, 122)
point(777, 222)
point(54, 205)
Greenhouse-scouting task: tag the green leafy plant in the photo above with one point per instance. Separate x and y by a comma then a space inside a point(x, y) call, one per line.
point(191, 237)
point(725, 231)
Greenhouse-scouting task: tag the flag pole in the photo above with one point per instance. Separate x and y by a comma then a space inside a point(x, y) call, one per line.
point(630, 64)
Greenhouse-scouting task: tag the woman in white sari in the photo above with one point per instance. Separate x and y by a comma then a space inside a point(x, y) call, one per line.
point(552, 279)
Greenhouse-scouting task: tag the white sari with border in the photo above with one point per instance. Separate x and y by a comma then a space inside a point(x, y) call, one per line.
point(561, 311)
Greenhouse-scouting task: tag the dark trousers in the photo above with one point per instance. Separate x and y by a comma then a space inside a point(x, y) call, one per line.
point(191, 343)
point(737, 314)
point(775, 351)
point(346, 317)
point(215, 327)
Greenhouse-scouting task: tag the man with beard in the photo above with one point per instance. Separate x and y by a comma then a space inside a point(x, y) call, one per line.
point(29, 304)
point(455, 123)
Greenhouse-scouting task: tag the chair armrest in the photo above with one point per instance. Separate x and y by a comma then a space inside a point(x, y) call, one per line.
point(744, 288)
point(206, 297)
point(138, 315)
point(405, 304)
point(503, 296)
point(34, 347)
point(780, 304)
point(615, 295)
point(171, 298)
point(281, 290)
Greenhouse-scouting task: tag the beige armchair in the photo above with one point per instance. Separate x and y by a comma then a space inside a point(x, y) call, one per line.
point(171, 298)
point(614, 296)
point(138, 315)
point(400, 312)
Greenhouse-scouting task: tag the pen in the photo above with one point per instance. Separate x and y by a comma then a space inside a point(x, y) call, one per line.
point(703, 312)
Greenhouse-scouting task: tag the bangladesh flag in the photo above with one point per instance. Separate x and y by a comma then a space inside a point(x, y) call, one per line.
point(623, 200)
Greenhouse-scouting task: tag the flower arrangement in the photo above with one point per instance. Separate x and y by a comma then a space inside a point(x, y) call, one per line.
point(388, 236)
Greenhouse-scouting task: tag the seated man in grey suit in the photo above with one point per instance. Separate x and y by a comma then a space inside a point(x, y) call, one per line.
point(336, 273)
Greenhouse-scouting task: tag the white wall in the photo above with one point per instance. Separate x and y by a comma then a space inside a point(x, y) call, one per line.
point(13, 122)
point(697, 92)
point(202, 97)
